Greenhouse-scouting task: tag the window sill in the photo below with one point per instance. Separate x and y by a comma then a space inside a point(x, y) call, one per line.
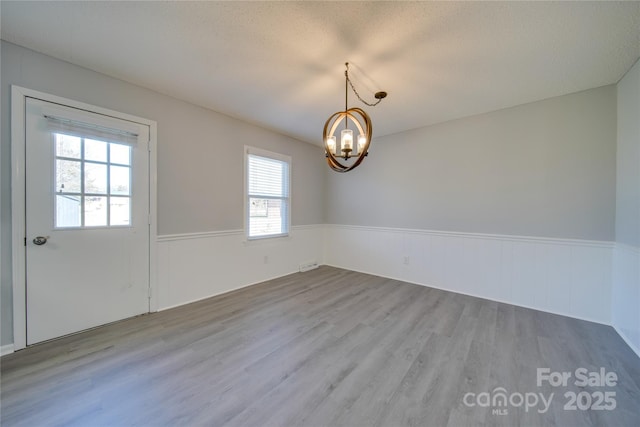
point(266, 239)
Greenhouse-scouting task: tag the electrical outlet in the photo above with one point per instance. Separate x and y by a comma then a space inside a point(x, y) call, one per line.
point(406, 260)
point(266, 259)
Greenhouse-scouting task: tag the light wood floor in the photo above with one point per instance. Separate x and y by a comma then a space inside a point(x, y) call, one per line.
point(322, 348)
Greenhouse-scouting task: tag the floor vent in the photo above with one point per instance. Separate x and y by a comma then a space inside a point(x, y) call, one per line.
point(308, 266)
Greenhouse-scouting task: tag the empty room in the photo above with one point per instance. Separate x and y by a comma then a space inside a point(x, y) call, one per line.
point(301, 213)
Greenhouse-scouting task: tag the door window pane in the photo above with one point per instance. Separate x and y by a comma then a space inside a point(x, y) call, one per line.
point(95, 211)
point(120, 180)
point(120, 211)
point(120, 154)
point(95, 178)
point(95, 150)
point(68, 176)
point(68, 211)
point(68, 146)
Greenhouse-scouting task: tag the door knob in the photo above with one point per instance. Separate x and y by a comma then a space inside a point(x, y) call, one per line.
point(40, 240)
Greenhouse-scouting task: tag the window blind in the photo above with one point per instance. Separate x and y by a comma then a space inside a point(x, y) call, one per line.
point(89, 130)
point(268, 201)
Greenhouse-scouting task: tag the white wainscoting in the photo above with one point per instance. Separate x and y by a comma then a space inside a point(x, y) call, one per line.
point(195, 266)
point(625, 305)
point(562, 276)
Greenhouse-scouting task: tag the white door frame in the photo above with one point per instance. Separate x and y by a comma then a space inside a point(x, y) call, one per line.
point(19, 97)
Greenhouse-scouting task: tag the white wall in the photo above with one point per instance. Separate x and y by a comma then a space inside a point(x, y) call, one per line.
point(200, 169)
point(626, 260)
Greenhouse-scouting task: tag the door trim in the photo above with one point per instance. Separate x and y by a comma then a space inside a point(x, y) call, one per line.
point(19, 97)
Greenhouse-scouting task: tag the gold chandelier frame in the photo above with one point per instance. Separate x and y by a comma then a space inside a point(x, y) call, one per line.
point(362, 122)
point(334, 121)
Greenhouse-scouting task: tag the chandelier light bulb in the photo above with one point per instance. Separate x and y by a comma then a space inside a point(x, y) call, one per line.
point(362, 141)
point(331, 144)
point(346, 140)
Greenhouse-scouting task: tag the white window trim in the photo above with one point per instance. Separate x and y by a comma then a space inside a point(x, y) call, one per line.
point(245, 200)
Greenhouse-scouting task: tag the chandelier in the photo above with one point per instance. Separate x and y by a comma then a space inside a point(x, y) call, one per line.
point(348, 155)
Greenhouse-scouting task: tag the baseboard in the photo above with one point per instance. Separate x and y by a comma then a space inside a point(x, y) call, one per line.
point(6, 349)
point(441, 288)
point(226, 291)
point(635, 349)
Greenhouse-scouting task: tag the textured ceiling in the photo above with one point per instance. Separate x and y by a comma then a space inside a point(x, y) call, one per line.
point(280, 64)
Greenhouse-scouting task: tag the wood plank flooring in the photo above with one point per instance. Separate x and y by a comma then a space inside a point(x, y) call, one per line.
point(327, 347)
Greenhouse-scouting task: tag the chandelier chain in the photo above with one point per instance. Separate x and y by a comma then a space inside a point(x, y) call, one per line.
point(346, 73)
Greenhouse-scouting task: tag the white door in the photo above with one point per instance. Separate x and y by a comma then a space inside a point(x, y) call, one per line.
point(87, 220)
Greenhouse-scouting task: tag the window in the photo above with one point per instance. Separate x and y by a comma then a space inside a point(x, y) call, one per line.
point(93, 182)
point(267, 196)
point(93, 174)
